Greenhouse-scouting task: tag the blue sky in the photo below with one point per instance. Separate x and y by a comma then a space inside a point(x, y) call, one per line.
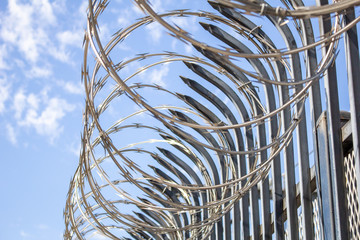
point(41, 103)
point(42, 99)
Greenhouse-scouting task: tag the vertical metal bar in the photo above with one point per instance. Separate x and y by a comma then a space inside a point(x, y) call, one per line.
point(334, 131)
point(244, 205)
point(254, 195)
point(273, 128)
point(254, 205)
point(353, 71)
point(290, 191)
point(238, 225)
point(304, 184)
point(325, 178)
point(289, 160)
point(305, 192)
point(288, 156)
point(315, 107)
point(303, 157)
point(277, 196)
point(261, 131)
point(236, 219)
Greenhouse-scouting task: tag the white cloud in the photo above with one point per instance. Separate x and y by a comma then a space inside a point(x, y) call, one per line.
point(19, 103)
point(124, 17)
point(4, 94)
point(70, 38)
point(183, 22)
point(41, 113)
point(3, 56)
point(31, 29)
point(47, 122)
point(187, 24)
point(33, 101)
point(24, 26)
point(46, 10)
point(173, 44)
point(137, 10)
point(82, 9)
point(155, 30)
point(158, 5)
point(74, 148)
point(72, 88)
point(189, 49)
point(40, 72)
point(104, 33)
point(11, 134)
point(157, 76)
point(61, 54)
point(24, 234)
point(42, 226)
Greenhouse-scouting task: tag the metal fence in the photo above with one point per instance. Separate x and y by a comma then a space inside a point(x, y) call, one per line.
point(255, 152)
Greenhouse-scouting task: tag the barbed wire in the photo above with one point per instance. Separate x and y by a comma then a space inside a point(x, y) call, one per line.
point(183, 165)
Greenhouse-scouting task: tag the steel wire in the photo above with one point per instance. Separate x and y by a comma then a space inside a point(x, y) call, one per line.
point(190, 162)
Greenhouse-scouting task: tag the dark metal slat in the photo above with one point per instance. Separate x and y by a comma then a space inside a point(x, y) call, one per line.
point(335, 145)
point(353, 70)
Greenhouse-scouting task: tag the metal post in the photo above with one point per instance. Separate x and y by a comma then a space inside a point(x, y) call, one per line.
point(335, 145)
point(325, 178)
point(353, 71)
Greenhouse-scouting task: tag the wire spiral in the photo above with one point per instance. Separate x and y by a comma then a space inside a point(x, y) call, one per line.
point(172, 161)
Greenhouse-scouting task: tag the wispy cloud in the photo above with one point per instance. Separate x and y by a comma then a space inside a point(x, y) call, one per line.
point(24, 234)
point(19, 103)
point(4, 94)
point(42, 226)
point(66, 39)
point(74, 148)
point(189, 49)
point(11, 134)
point(40, 72)
point(31, 31)
point(157, 76)
point(155, 30)
point(3, 56)
point(124, 17)
point(41, 113)
point(33, 41)
point(72, 88)
point(70, 38)
point(24, 26)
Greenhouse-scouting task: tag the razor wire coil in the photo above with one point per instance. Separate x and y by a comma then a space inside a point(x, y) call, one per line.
point(172, 170)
